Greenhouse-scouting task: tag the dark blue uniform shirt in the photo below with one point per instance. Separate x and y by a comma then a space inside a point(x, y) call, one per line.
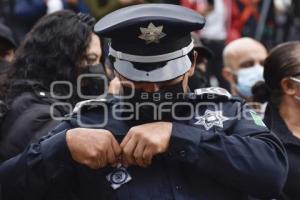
point(223, 152)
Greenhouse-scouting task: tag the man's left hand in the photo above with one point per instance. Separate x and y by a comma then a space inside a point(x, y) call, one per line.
point(145, 141)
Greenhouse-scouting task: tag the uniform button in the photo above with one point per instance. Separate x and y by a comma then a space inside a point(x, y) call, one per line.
point(182, 153)
point(178, 187)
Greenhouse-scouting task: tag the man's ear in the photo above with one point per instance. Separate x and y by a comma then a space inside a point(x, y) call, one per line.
point(228, 75)
point(192, 69)
point(288, 87)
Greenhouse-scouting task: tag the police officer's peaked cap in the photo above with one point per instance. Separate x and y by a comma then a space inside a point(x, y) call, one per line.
point(150, 42)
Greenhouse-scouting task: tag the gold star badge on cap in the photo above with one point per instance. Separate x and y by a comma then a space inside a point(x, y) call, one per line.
point(152, 34)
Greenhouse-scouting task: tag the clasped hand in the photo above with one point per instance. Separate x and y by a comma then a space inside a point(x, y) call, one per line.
point(97, 148)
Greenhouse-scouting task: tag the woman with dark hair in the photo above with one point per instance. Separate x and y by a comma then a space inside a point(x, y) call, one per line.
point(282, 92)
point(60, 47)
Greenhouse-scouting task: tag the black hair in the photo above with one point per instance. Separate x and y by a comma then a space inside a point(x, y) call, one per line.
point(283, 61)
point(53, 49)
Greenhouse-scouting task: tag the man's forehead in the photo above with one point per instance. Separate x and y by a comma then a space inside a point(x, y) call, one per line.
point(251, 52)
point(243, 44)
point(248, 47)
point(254, 53)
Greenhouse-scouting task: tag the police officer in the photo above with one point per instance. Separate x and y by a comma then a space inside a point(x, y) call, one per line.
point(209, 147)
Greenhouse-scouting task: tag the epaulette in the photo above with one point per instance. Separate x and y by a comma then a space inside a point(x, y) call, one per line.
point(211, 94)
point(93, 103)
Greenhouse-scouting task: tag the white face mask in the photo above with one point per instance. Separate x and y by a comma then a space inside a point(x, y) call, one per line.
point(247, 77)
point(297, 81)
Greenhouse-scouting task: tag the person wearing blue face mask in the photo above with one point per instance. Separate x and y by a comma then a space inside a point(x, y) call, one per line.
point(243, 60)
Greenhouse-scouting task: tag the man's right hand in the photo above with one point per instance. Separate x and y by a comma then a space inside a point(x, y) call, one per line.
point(95, 148)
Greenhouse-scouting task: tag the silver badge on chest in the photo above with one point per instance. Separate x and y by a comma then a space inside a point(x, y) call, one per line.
point(118, 177)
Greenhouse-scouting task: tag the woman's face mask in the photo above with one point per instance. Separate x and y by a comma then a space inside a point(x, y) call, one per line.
point(247, 77)
point(91, 85)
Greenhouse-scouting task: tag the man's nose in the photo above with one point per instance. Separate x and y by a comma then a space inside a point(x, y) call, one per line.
point(151, 87)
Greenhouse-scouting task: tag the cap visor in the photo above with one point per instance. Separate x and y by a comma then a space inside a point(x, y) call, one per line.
point(172, 69)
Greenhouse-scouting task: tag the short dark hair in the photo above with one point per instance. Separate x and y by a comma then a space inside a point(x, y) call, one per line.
point(53, 49)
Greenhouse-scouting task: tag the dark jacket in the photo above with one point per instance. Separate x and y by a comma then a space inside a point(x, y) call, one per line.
point(223, 152)
point(292, 144)
point(28, 119)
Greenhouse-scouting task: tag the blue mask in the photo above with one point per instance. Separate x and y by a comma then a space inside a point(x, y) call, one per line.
point(247, 77)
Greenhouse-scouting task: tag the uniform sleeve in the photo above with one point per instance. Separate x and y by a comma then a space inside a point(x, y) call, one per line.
point(30, 174)
point(247, 157)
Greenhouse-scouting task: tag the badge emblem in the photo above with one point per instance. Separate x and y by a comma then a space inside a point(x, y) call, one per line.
point(118, 177)
point(211, 119)
point(152, 34)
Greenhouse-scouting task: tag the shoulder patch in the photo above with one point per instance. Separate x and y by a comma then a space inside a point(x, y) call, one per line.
point(212, 93)
point(257, 119)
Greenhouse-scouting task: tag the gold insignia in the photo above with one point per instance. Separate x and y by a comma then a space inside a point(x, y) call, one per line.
point(152, 34)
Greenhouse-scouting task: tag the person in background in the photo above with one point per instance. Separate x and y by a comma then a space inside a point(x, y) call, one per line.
point(99, 8)
point(243, 67)
point(6, 73)
point(213, 35)
point(7, 44)
point(244, 17)
point(204, 7)
point(21, 15)
point(281, 90)
point(74, 5)
point(60, 47)
point(199, 79)
point(7, 52)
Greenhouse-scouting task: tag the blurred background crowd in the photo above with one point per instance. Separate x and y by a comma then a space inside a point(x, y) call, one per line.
point(238, 50)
